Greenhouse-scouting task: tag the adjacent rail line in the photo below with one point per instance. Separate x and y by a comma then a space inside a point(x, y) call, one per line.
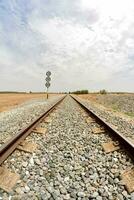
point(8, 148)
point(127, 144)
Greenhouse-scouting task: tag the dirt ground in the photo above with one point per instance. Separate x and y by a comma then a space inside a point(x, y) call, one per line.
point(123, 103)
point(9, 100)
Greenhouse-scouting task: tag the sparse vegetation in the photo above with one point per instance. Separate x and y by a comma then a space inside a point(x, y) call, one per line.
point(115, 107)
point(103, 91)
point(14, 92)
point(80, 92)
point(123, 103)
point(130, 114)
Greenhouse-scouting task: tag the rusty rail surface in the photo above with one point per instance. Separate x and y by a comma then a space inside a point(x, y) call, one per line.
point(124, 141)
point(7, 148)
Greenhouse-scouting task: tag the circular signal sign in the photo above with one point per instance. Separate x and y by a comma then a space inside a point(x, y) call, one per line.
point(47, 84)
point(48, 73)
point(48, 79)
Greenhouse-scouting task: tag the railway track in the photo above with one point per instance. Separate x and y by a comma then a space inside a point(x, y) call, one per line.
point(10, 145)
point(76, 156)
point(119, 136)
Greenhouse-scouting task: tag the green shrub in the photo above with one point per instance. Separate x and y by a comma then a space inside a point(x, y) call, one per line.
point(80, 92)
point(103, 91)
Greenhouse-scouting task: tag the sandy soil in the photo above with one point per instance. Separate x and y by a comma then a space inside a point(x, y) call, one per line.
point(9, 100)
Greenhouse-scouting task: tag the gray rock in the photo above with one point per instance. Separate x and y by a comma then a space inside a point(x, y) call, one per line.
point(56, 194)
point(24, 164)
point(132, 196)
point(32, 161)
point(37, 161)
point(81, 194)
point(116, 180)
point(66, 197)
point(50, 189)
point(41, 172)
point(27, 189)
point(120, 197)
point(99, 198)
point(73, 194)
point(63, 190)
point(95, 194)
point(124, 193)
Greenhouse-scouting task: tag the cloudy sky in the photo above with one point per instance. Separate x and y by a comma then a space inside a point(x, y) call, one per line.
point(87, 44)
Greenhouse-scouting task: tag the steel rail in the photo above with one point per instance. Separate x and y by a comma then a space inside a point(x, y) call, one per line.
point(8, 148)
point(129, 146)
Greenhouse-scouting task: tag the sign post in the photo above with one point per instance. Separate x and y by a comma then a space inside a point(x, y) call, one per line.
point(48, 79)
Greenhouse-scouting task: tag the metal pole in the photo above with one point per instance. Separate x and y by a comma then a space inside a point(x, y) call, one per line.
point(47, 93)
point(48, 79)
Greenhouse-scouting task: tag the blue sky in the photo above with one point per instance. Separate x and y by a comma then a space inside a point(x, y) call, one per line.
point(86, 44)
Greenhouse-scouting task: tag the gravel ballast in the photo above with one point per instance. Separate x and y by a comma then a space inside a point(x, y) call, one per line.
point(14, 120)
point(122, 124)
point(70, 162)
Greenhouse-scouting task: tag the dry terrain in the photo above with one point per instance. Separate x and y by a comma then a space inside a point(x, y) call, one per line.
point(123, 103)
point(9, 100)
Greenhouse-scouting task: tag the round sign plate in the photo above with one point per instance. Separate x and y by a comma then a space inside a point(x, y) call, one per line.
point(47, 85)
point(48, 79)
point(48, 73)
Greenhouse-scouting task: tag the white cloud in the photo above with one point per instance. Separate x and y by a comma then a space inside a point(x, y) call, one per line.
point(95, 51)
point(113, 8)
point(76, 48)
